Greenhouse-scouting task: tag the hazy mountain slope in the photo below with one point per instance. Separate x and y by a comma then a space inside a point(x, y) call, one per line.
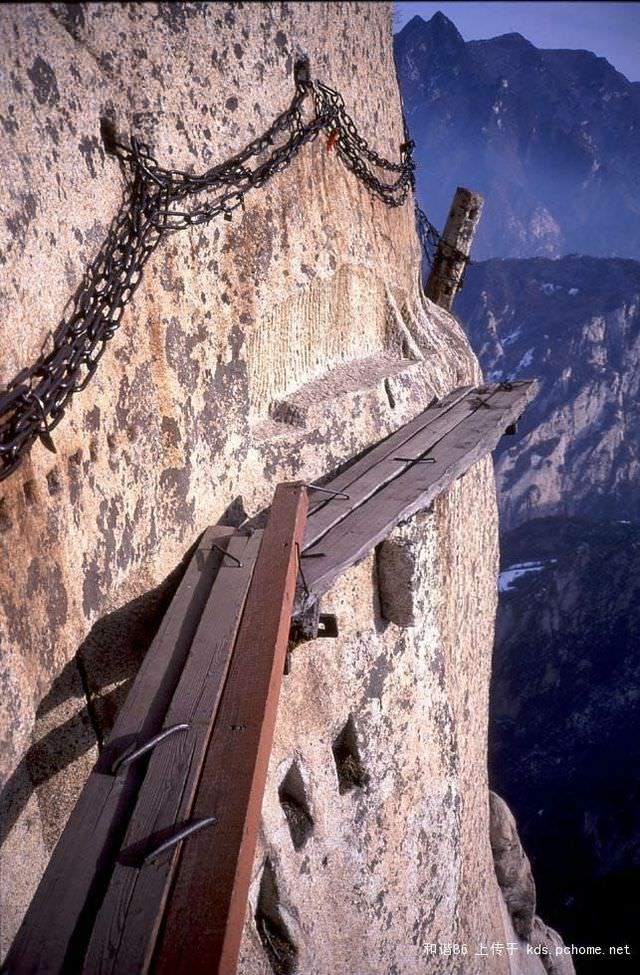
point(565, 730)
point(574, 324)
point(550, 138)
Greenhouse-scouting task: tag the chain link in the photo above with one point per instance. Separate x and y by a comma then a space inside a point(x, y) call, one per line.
point(431, 241)
point(158, 202)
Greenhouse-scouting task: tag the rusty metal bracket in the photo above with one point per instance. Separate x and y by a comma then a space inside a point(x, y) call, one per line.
point(416, 460)
point(324, 490)
point(227, 555)
point(327, 626)
point(312, 625)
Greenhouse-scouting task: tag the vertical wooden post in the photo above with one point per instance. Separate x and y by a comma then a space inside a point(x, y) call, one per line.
point(454, 247)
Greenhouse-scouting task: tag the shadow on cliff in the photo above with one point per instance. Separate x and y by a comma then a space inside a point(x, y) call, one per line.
point(90, 690)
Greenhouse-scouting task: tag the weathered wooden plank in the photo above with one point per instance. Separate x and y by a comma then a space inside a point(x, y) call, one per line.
point(126, 927)
point(323, 510)
point(350, 540)
point(370, 478)
point(205, 913)
point(56, 927)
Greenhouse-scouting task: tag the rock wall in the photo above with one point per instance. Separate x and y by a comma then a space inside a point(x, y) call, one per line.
point(271, 347)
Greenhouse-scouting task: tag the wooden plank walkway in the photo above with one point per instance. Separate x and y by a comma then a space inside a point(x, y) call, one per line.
point(54, 932)
point(124, 933)
point(205, 914)
point(380, 464)
point(392, 482)
point(152, 872)
point(132, 856)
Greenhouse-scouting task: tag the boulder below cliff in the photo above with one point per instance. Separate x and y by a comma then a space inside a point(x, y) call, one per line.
point(512, 866)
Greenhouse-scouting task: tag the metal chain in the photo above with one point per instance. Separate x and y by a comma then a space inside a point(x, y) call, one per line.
point(431, 240)
point(158, 202)
point(427, 235)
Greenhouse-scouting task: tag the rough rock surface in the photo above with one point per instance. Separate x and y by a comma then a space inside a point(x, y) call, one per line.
point(272, 347)
point(512, 866)
point(541, 946)
point(391, 865)
point(543, 936)
point(398, 561)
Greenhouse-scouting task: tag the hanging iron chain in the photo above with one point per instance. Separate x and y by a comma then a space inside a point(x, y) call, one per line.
point(430, 241)
point(158, 202)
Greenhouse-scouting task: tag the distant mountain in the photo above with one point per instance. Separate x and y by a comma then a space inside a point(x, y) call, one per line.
point(574, 324)
point(565, 722)
point(550, 138)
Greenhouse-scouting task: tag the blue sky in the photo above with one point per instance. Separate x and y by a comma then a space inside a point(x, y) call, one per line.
point(610, 30)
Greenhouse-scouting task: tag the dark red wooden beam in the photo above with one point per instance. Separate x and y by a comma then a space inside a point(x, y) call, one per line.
point(205, 913)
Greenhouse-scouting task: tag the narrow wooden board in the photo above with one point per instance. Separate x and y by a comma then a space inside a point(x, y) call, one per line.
point(55, 930)
point(323, 509)
point(127, 924)
point(351, 539)
point(370, 477)
point(205, 912)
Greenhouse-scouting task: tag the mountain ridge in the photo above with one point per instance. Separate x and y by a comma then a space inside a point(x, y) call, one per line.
point(565, 710)
point(574, 324)
point(549, 137)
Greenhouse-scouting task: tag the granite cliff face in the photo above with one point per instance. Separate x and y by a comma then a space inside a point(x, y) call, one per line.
point(574, 323)
point(550, 138)
point(565, 718)
point(271, 347)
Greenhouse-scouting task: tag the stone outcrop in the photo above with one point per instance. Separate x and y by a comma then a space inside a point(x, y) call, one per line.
point(398, 560)
point(512, 866)
point(274, 346)
point(544, 937)
point(540, 944)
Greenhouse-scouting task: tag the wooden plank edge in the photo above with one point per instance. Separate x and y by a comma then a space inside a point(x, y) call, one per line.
point(54, 932)
point(201, 947)
point(320, 583)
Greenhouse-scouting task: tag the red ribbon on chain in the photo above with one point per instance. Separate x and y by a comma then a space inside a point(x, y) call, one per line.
point(331, 141)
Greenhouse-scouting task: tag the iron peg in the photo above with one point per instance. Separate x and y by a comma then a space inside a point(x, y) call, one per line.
point(193, 827)
point(125, 760)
